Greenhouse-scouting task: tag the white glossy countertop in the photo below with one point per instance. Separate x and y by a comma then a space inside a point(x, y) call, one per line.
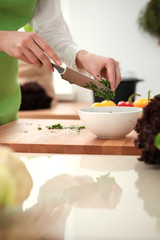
point(103, 197)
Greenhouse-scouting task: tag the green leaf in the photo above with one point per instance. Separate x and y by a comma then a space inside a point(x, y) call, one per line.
point(157, 141)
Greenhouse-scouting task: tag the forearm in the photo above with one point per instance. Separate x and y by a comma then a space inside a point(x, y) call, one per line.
point(49, 23)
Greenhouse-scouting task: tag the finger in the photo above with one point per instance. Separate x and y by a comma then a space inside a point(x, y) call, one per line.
point(111, 73)
point(32, 57)
point(47, 49)
point(35, 211)
point(40, 55)
point(96, 74)
point(50, 222)
point(45, 213)
point(25, 59)
point(104, 73)
point(118, 74)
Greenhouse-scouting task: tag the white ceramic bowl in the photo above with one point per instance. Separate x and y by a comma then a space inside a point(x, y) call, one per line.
point(110, 122)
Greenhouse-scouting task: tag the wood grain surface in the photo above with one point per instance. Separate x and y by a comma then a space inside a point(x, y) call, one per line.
point(23, 136)
point(62, 110)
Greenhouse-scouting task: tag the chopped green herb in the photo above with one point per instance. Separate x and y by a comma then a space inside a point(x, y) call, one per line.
point(105, 83)
point(25, 132)
point(101, 92)
point(81, 127)
point(59, 126)
point(39, 128)
point(55, 126)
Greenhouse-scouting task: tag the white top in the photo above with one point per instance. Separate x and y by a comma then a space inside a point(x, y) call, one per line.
point(48, 22)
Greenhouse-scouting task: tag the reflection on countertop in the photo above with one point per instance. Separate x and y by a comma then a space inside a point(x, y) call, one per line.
point(150, 193)
point(76, 197)
point(59, 194)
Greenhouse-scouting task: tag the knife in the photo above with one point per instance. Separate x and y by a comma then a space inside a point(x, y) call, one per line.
point(78, 78)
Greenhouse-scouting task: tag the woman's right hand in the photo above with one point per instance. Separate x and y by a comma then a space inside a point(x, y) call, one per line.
point(28, 47)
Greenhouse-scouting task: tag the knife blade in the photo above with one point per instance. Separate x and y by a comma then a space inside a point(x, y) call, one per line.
point(79, 79)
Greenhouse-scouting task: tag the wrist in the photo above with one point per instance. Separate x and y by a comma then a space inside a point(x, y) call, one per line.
point(80, 58)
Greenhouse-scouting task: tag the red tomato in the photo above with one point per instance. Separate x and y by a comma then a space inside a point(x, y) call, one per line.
point(128, 104)
point(122, 104)
point(125, 104)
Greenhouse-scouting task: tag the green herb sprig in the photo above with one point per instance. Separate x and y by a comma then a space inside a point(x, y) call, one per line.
point(106, 95)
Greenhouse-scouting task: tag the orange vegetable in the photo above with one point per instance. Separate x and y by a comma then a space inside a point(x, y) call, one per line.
point(142, 102)
point(105, 103)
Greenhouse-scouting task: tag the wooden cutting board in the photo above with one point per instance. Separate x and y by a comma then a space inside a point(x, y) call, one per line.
point(23, 136)
point(61, 110)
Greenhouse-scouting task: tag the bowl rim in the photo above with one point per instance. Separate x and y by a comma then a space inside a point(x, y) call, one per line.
point(137, 110)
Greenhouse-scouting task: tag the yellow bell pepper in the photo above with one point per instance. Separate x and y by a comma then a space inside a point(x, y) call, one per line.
point(142, 102)
point(105, 103)
point(108, 103)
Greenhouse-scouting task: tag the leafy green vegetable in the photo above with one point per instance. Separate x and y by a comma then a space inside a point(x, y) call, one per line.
point(158, 95)
point(101, 92)
point(157, 141)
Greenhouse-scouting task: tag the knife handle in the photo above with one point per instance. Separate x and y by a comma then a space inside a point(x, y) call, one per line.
point(60, 69)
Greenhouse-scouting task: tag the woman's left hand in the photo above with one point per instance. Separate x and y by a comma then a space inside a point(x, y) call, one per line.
point(99, 67)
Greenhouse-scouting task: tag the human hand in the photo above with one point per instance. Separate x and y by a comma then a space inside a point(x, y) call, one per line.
point(99, 67)
point(28, 47)
point(43, 218)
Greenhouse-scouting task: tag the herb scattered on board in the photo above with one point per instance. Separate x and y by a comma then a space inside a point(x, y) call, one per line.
point(59, 126)
point(55, 126)
point(101, 92)
point(39, 128)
